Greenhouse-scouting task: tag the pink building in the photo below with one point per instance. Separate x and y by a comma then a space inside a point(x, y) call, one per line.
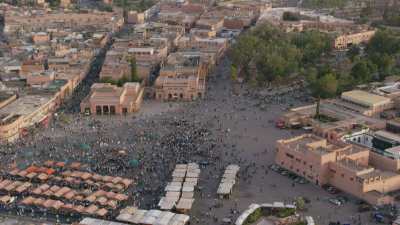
point(40, 38)
point(364, 174)
point(108, 99)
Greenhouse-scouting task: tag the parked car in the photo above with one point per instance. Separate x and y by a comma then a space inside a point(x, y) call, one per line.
point(301, 180)
point(333, 190)
point(284, 173)
point(335, 201)
point(274, 167)
point(342, 199)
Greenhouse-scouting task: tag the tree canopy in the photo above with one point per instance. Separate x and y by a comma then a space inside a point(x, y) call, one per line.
point(275, 54)
point(266, 54)
point(325, 3)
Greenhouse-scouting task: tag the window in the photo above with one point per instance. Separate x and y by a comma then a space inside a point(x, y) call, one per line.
point(105, 109)
point(98, 110)
point(124, 111)
point(112, 110)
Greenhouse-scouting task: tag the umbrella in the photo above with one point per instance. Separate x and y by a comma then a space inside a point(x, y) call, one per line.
point(84, 146)
point(134, 163)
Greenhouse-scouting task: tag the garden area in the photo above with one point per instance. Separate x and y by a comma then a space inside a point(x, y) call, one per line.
point(270, 214)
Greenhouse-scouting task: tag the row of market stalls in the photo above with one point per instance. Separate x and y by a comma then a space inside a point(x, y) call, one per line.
point(76, 178)
point(62, 190)
point(58, 207)
point(228, 181)
point(179, 193)
point(137, 216)
point(93, 221)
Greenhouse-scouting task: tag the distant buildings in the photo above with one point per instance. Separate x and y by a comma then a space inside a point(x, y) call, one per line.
point(42, 21)
point(107, 99)
point(135, 17)
point(344, 32)
point(46, 58)
point(50, 52)
point(175, 55)
point(345, 41)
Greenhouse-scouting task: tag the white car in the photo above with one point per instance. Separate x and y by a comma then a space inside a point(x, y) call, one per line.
point(335, 201)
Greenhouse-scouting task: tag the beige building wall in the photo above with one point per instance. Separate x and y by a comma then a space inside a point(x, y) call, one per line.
point(346, 40)
point(384, 163)
point(345, 179)
point(344, 166)
point(107, 99)
point(311, 165)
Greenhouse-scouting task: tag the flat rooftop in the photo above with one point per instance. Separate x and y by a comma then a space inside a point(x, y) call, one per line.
point(5, 95)
point(25, 105)
point(364, 98)
point(388, 135)
point(354, 166)
point(391, 90)
point(300, 144)
point(378, 173)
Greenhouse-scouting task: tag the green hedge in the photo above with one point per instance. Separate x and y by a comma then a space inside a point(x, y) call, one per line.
point(258, 213)
point(285, 212)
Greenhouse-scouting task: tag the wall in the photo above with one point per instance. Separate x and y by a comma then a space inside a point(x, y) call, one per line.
point(384, 163)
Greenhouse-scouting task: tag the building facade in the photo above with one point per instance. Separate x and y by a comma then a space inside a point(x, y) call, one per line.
point(353, 169)
point(345, 41)
point(108, 99)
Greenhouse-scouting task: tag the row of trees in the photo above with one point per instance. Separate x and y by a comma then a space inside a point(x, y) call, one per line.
point(138, 5)
point(132, 77)
point(379, 59)
point(266, 54)
point(325, 3)
point(378, 62)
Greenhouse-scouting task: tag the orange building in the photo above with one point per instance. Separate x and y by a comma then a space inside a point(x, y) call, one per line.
point(24, 112)
point(353, 38)
point(356, 170)
point(108, 99)
point(182, 78)
point(40, 38)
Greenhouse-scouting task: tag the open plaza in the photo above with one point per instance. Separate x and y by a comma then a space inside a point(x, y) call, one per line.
point(133, 117)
